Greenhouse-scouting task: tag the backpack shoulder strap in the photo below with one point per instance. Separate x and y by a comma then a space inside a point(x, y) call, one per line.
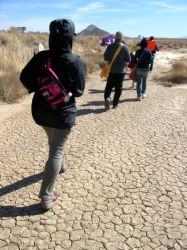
point(48, 63)
point(116, 53)
point(140, 58)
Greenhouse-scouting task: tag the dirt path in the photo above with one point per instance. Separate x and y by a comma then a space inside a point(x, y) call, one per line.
point(125, 187)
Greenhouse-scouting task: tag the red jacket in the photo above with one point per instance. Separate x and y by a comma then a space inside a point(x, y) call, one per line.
point(152, 45)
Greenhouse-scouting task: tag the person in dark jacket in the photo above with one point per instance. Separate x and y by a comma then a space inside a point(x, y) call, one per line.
point(143, 59)
point(57, 123)
point(117, 71)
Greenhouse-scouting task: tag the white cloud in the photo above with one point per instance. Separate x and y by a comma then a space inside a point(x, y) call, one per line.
point(123, 3)
point(51, 6)
point(36, 5)
point(92, 7)
point(98, 8)
point(166, 6)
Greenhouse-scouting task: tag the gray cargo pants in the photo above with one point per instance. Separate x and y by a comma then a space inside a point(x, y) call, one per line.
point(56, 139)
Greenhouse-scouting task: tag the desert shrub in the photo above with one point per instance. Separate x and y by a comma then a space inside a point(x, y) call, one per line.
point(14, 54)
point(14, 60)
point(172, 42)
point(33, 38)
point(93, 61)
point(91, 51)
point(177, 74)
point(10, 87)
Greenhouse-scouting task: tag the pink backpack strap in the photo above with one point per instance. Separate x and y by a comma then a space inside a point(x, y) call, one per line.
point(48, 63)
point(48, 66)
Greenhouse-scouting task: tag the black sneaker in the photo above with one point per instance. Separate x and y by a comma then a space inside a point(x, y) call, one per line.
point(107, 103)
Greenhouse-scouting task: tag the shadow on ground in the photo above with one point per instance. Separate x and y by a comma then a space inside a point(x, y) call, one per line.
point(101, 103)
point(13, 211)
point(20, 184)
point(99, 91)
point(81, 112)
point(128, 100)
point(93, 103)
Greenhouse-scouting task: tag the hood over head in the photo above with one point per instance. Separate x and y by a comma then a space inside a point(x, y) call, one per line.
point(61, 35)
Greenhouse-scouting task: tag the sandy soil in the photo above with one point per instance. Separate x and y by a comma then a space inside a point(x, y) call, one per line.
point(7, 110)
point(165, 58)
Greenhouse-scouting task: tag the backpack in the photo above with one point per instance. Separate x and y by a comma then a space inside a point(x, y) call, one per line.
point(50, 86)
point(106, 40)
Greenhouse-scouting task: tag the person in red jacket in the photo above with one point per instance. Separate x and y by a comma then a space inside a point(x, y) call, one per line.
point(152, 46)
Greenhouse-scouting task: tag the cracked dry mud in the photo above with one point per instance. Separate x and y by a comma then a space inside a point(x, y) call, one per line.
point(125, 186)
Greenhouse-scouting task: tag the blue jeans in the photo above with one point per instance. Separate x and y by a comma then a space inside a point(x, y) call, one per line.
point(141, 76)
point(56, 139)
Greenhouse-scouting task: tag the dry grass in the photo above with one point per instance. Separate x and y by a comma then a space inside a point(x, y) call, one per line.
point(172, 43)
point(10, 87)
point(16, 49)
point(90, 50)
point(14, 54)
point(176, 75)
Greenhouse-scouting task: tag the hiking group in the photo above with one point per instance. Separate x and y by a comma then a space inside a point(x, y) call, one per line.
point(140, 61)
point(57, 77)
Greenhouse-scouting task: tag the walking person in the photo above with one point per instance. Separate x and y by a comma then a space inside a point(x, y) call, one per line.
point(143, 59)
point(117, 70)
point(131, 66)
point(153, 47)
point(57, 121)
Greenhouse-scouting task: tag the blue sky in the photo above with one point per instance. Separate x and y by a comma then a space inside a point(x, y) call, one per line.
point(160, 18)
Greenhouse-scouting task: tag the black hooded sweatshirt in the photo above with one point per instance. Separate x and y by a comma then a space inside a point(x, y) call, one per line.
point(71, 71)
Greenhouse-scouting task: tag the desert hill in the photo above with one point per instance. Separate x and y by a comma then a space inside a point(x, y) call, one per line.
point(93, 30)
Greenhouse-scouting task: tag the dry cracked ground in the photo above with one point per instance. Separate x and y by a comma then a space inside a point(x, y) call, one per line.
point(125, 186)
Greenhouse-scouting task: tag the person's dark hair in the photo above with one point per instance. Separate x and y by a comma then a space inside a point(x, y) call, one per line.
point(144, 43)
point(151, 38)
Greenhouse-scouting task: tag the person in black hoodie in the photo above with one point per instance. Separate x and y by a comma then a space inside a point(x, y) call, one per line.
point(57, 123)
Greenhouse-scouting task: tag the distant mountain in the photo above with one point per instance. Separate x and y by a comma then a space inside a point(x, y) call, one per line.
point(92, 30)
